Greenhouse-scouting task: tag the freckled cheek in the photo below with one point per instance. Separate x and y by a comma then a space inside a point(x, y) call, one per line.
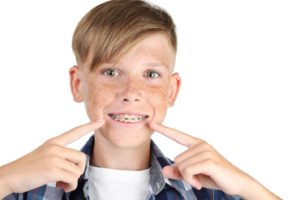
point(97, 98)
point(158, 100)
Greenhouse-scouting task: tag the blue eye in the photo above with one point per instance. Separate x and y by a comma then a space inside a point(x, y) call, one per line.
point(110, 72)
point(152, 74)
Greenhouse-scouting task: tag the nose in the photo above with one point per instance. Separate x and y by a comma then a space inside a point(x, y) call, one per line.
point(131, 93)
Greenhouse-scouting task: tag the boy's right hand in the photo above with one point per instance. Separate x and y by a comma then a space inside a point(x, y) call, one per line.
point(51, 162)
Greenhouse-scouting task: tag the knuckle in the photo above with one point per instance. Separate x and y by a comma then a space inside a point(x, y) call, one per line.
point(81, 161)
point(53, 160)
point(207, 154)
point(208, 146)
point(73, 185)
point(205, 145)
point(180, 167)
point(210, 163)
point(50, 141)
point(176, 159)
point(81, 171)
point(73, 179)
point(185, 171)
point(199, 142)
point(82, 157)
point(189, 179)
point(78, 173)
point(52, 149)
point(52, 172)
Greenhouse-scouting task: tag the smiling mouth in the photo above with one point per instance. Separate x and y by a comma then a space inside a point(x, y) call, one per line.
point(128, 118)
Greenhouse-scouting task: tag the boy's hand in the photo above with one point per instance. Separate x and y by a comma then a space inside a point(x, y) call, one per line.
point(202, 166)
point(51, 162)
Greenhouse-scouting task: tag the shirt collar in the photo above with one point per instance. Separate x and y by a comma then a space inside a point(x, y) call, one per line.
point(157, 180)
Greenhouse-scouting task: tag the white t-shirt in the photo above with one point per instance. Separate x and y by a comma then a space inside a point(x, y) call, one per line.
point(111, 184)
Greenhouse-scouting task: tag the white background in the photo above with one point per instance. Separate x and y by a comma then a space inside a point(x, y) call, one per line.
point(240, 65)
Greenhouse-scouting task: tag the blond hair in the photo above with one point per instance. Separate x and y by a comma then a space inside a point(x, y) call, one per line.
point(113, 27)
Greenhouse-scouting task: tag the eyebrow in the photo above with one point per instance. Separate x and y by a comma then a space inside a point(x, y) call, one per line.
point(105, 64)
point(153, 64)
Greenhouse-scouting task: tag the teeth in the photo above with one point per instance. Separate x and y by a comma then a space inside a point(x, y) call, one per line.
point(128, 118)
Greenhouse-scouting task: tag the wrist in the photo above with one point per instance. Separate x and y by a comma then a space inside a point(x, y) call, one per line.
point(4, 188)
point(256, 191)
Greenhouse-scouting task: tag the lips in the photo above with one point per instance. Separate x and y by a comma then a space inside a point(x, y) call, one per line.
point(128, 118)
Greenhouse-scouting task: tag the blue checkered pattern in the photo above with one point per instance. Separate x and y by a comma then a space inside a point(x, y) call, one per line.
point(161, 188)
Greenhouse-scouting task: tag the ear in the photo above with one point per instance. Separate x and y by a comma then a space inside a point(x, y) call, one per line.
point(174, 88)
point(76, 83)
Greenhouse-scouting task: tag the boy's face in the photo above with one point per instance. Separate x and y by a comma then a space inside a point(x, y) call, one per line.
point(130, 91)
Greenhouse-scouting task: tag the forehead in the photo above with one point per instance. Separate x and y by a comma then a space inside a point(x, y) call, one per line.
point(154, 49)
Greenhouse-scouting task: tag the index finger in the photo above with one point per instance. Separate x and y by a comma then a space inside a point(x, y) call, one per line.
point(77, 132)
point(177, 136)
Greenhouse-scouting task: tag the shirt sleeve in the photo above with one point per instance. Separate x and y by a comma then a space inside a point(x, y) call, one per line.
point(12, 196)
point(205, 193)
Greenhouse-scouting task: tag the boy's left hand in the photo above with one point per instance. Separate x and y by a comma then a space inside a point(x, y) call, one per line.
point(202, 166)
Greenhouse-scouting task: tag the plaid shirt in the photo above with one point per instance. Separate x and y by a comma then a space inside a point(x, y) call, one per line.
point(161, 188)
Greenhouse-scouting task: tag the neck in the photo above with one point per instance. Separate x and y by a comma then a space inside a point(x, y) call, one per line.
point(108, 155)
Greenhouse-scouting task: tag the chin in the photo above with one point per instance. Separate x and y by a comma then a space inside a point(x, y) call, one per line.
point(127, 138)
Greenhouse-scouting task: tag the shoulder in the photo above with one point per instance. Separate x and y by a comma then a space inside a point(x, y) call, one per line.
point(211, 194)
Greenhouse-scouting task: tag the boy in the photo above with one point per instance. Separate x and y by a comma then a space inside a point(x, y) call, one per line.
point(125, 52)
